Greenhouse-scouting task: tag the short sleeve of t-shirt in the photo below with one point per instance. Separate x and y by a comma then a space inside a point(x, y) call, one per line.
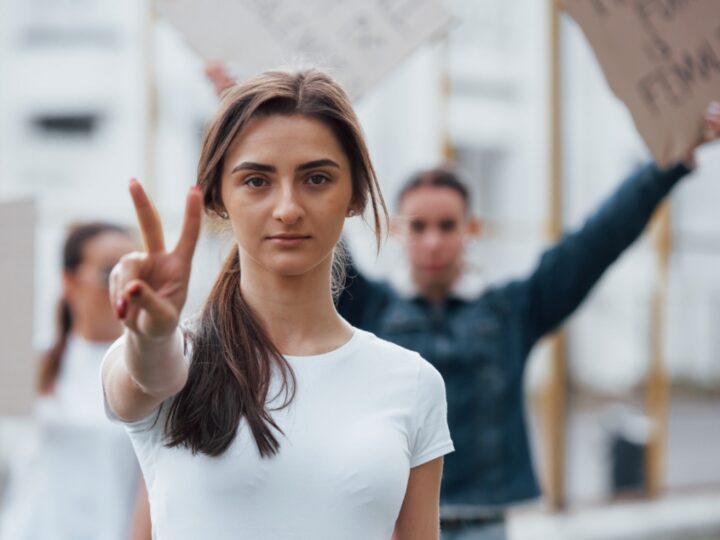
point(430, 437)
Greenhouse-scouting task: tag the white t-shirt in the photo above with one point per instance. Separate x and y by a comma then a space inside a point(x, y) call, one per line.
point(79, 478)
point(363, 415)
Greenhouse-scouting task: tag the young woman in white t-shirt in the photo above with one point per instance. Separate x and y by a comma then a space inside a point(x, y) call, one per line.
point(268, 416)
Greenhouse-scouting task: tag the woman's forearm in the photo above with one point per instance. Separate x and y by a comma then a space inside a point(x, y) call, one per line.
point(140, 374)
point(156, 365)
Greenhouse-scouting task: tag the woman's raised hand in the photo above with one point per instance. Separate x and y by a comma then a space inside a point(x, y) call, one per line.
point(712, 121)
point(149, 289)
point(219, 77)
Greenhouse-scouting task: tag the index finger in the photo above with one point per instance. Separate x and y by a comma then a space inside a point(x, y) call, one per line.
point(150, 225)
point(191, 225)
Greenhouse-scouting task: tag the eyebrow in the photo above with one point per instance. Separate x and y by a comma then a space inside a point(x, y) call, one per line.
point(261, 167)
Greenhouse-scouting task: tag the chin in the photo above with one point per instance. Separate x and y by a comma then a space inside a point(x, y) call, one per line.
point(439, 285)
point(292, 265)
point(436, 281)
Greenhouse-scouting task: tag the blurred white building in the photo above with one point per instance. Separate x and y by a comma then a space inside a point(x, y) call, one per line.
point(76, 117)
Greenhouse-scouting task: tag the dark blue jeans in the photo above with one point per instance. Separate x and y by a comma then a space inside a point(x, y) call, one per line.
point(492, 531)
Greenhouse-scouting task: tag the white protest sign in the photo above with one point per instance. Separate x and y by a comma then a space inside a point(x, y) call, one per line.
point(18, 363)
point(358, 42)
point(662, 59)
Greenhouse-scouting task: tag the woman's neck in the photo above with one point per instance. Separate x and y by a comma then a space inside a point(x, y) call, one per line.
point(96, 331)
point(298, 312)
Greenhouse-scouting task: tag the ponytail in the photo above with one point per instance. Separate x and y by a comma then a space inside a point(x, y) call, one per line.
point(51, 361)
point(231, 367)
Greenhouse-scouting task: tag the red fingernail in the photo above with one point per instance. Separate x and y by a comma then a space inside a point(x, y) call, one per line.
point(121, 308)
point(135, 290)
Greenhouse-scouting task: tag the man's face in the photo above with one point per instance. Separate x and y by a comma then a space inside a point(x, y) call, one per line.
point(434, 224)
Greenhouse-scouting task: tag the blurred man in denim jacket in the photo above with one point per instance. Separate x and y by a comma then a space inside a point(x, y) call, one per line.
point(480, 338)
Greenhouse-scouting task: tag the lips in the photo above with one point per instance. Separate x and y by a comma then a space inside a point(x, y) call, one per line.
point(288, 240)
point(433, 267)
point(289, 237)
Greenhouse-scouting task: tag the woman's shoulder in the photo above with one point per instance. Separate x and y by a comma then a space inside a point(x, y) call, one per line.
point(416, 383)
point(370, 341)
point(391, 354)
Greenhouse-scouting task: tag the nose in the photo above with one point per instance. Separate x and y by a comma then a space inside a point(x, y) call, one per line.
point(432, 240)
point(288, 207)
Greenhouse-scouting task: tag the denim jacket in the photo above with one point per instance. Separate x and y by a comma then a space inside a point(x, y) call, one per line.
point(481, 345)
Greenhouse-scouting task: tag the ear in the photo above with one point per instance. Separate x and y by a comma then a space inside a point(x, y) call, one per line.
point(397, 227)
point(219, 210)
point(474, 227)
point(353, 210)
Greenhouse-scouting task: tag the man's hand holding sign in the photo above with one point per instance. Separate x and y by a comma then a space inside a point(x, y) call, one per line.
point(662, 59)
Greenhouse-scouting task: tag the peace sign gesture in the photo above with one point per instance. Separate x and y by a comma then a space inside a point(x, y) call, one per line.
point(149, 289)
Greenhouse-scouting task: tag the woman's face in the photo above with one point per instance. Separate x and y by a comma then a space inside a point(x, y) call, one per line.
point(86, 288)
point(287, 188)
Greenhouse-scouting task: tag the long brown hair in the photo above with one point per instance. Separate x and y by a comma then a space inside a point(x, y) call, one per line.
point(233, 357)
point(73, 256)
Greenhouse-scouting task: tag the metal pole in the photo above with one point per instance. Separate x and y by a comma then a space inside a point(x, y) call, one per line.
point(151, 96)
point(657, 385)
point(555, 399)
point(447, 148)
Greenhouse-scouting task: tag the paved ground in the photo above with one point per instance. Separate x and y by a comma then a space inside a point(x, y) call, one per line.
point(675, 517)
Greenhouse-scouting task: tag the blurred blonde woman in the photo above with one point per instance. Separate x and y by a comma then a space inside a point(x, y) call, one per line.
point(82, 479)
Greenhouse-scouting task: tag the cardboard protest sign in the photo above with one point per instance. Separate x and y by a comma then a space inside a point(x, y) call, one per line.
point(358, 42)
point(662, 59)
point(17, 270)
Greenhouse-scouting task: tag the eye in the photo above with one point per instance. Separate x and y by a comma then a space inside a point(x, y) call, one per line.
point(255, 182)
point(317, 179)
point(417, 226)
point(448, 225)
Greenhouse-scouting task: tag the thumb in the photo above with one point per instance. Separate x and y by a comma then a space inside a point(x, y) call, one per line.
point(148, 313)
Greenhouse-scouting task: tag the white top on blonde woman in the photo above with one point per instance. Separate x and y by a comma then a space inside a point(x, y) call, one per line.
point(77, 478)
